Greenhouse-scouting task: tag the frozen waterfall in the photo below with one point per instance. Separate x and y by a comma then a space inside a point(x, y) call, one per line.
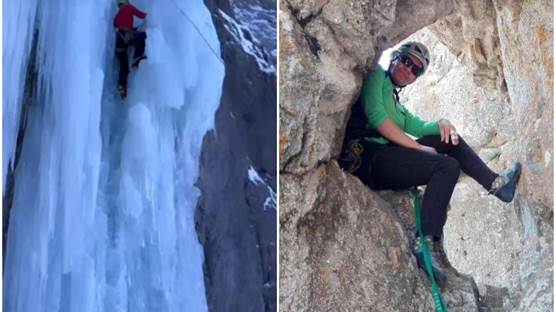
point(104, 196)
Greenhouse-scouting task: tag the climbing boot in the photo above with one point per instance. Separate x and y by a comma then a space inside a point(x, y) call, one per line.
point(123, 92)
point(435, 257)
point(136, 61)
point(505, 184)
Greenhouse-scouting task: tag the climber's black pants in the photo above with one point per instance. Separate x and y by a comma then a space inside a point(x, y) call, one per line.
point(139, 43)
point(397, 167)
point(134, 39)
point(124, 68)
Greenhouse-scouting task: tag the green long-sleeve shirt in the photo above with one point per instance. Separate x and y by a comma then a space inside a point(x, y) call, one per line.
point(378, 103)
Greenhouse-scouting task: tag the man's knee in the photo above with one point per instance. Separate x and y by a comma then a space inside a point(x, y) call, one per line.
point(442, 146)
point(450, 165)
point(432, 140)
point(139, 36)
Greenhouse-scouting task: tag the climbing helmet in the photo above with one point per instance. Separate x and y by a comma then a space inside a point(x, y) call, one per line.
point(414, 48)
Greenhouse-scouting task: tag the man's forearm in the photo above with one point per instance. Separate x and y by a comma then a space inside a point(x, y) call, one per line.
point(392, 132)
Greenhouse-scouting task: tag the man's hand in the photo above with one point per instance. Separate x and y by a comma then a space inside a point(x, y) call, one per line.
point(448, 132)
point(428, 149)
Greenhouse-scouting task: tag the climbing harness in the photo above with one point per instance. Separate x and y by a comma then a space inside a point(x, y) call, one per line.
point(351, 160)
point(125, 35)
point(438, 302)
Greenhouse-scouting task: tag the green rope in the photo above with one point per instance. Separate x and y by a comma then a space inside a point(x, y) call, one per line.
point(438, 302)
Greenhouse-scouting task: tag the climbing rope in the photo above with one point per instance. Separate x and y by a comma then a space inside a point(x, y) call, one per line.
point(198, 31)
point(438, 302)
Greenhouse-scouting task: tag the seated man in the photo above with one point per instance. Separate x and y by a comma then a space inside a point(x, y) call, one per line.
point(378, 149)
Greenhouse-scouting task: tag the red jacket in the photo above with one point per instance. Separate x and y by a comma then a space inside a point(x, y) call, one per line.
point(124, 18)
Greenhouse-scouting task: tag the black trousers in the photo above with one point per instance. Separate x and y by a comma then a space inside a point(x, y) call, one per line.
point(125, 39)
point(396, 167)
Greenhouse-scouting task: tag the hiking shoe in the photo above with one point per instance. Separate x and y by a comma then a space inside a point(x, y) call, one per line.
point(136, 61)
point(123, 92)
point(435, 257)
point(505, 184)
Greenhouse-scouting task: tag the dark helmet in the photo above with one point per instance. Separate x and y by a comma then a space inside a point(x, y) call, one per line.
point(414, 48)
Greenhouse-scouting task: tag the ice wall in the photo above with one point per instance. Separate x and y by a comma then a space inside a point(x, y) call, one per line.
point(17, 37)
point(103, 208)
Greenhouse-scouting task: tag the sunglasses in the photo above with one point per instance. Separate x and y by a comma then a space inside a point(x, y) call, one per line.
point(408, 62)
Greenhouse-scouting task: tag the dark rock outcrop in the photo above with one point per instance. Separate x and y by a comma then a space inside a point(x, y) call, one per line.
point(235, 221)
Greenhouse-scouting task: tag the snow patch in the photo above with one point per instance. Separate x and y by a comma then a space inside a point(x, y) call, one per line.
point(255, 178)
point(244, 35)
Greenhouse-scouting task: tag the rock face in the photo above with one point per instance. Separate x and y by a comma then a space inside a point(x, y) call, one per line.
point(236, 216)
point(346, 249)
point(507, 119)
point(495, 91)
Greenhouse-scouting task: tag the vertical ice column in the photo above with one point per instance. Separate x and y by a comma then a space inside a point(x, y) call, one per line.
point(18, 25)
point(172, 100)
point(51, 241)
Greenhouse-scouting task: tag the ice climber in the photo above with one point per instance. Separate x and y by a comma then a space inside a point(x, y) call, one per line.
point(126, 37)
point(378, 150)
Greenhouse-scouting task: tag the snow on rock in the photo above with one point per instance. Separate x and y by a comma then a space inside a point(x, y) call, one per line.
point(251, 29)
point(255, 178)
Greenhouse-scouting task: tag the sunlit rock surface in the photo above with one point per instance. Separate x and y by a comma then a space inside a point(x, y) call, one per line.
point(496, 92)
